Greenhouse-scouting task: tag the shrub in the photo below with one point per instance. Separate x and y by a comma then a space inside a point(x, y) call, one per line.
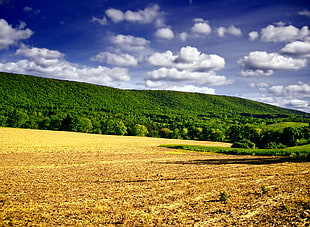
point(224, 197)
point(265, 189)
point(243, 144)
point(274, 145)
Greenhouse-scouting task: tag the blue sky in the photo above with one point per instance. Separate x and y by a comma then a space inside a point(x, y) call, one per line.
point(258, 50)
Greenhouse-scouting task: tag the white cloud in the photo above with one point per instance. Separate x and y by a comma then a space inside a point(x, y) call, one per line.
point(284, 33)
point(300, 90)
point(39, 54)
point(297, 104)
point(148, 15)
point(10, 36)
point(253, 35)
point(115, 15)
point(183, 36)
point(188, 65)
point(232, 30)
point(188, 58)
point(185, 88)
point(262, 86)
point(221, 31)
point(145, 16)
point(164, 33)
point(115, 59)
point(261, 63)
point(201, 27)
point(256, 72)
point(192, 88)
point(290, 96)
point(102, 21)
point(198, 78)
point(297, 48)
point(130, 43)
point(304, 13)
point(51, 63)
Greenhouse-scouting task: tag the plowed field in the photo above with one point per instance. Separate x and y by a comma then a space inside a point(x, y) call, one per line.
point(72, 179)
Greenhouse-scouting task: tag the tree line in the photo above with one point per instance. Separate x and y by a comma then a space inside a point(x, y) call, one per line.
point(41, 103)
point(243, 132)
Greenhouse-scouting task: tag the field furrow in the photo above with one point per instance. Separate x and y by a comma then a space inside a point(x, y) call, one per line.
point(53, 178)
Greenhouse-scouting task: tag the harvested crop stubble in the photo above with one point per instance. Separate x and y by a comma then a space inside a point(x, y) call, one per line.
point(61, 178)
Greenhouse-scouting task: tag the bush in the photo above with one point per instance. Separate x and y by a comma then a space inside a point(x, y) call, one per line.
point(224, 197)
point(274, 145)
point(243, 144)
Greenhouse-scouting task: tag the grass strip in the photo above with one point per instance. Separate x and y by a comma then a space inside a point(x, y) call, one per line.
point(298, 151)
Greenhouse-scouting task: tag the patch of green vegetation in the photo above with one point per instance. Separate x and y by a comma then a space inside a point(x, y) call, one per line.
point(298, 151)
point(225, 197)
point(281, 125)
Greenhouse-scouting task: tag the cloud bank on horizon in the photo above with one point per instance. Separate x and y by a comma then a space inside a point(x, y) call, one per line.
point(258, 51)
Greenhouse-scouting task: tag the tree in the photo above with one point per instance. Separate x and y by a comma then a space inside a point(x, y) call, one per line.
point(245, 143)
point(17, 118)
point(140, 130)
point(236, 133)
point(252, 133)
point(84, 125)
point(114, 127)
point(291, 136)
point(165, 133)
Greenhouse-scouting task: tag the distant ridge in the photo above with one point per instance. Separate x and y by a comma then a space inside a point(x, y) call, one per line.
point(27, 90)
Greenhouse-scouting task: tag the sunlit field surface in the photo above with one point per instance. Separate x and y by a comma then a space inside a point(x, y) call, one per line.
point(72, 179)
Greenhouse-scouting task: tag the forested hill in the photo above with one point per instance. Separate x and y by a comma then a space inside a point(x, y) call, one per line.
point(36, 92)
point(34, 102)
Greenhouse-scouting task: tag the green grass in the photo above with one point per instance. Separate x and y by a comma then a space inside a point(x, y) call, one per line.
point(281, 125)
point(298, 151)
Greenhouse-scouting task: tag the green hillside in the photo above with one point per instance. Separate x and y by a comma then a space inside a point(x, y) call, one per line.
point(21, 90)
point(34, 102)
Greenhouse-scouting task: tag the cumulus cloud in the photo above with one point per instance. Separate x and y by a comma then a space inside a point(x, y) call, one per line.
point(198, 78)
point(232, 30)
point(261, 63)
point(115, 15)
point(188, 58)
point(253, 35)
point(284, 33)
point(192, 88)
point(188, 65)
point(300, 90)
point(51, 63)
point(295, 103)
point(201, 27)
point(297, 48)
point(148, 15)
point(164, 33)
point(303, 105)
point(185, 88)
point(115, 59)
point(10, 36)
point(304, 13)
point(291, 96)
point(130, 43)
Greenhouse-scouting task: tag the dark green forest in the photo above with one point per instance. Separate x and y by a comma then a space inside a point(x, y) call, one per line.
point(50, 104)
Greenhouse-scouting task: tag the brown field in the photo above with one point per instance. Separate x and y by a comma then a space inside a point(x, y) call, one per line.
point(72, 179)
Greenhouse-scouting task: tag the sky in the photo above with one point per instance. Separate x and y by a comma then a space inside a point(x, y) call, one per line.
point(258, 50)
